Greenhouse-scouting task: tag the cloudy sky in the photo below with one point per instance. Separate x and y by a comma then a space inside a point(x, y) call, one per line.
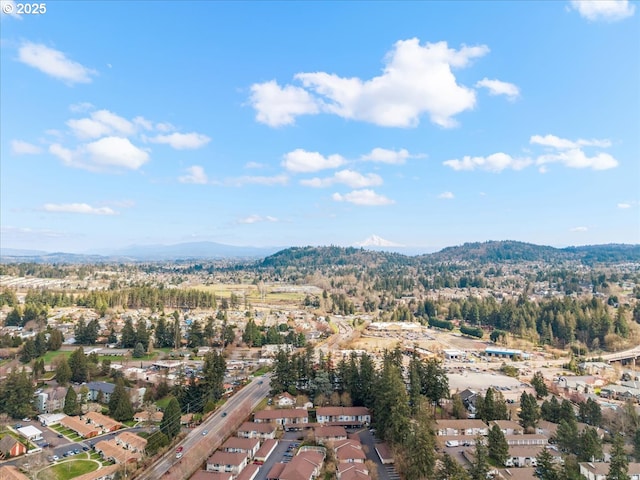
point(312, 123)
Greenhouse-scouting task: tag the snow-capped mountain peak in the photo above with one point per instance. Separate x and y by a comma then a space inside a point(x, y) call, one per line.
point(376, 241)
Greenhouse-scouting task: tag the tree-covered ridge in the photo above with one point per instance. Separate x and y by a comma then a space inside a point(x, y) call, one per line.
point(332, 256)
point(483, 252)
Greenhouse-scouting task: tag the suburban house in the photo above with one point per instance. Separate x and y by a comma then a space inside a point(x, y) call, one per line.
point(83, 429)
point(525, 440)
point(104, 423)
point(48, 419)
point(248, 446)
point(265, 451)
point(96, 387)
point(249, 473)
point(352, 471)
point(9, 472)
point(10, 447)
point(520, 456)
point(226, 462)
point(526, 473)
point(343, 415)
point(599, 471)
point(285, 400)
point(204, 475)
point(329, 434)
point(284, 417)
point(306, 465)
point(149, 417)
point(508, 427)
point(111, 450)
point(263, 431)
point(470, 427)
point(30, 433)
point(131, 441)
point(349, 451)
point(104, 473)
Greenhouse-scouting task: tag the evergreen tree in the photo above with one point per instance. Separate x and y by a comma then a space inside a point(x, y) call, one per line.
point(498, 446)
point(170, 424)
point(120, 407)
point(391, 406)
point(480, 465)
point(55, 340)
point(138, 351)
point(619, 466)
point(63, 370)
point(420, 446)
point(128, 334)
point(567, 436)
point(545, 469)
point(16, 394)
point(589, 412)
point(71, 405)
point(450, 469)
point(155, 442)
point(539, 385)
point(590, 446)
point(28, 351)
point(142, 334)
point(79, 366)
point(636, 445)
point(457, 407)
point(40, 344)
point(529, 413)
point(550, 410)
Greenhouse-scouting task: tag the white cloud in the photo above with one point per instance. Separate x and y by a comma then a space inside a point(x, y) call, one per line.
point(578, 229)
point(416, 79)
point(81, 107)
point(20, 147)
point(143, 123)
point(104, 154)
point(364, 197)
point(493, 163)
point(383, 155)
point(54, 63)
point(301, 160)
point(253, 165)
point(102, 122)
point(497, 87)
point(446, 195)
point(195, 174)
point(277, 106)
point(576, 158)
point(562, 143)
point(256, 219)
point(257, 180)
point(606, 10)
point(182, 141)
point(83, 208)
point(347, 177)
point(624, 205)
point(116, 152)
point(165, 127)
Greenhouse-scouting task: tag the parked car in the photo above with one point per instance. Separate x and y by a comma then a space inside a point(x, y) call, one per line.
point(179, 455)
point(55, 458)
point(179, 449)
point(205, 432)
point(224, 414)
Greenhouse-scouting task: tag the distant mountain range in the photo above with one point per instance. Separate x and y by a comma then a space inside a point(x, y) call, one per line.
point(373, 251)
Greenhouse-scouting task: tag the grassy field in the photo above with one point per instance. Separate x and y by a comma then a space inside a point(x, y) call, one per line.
point(50, 356)
point(252, 294)
point(73, 468)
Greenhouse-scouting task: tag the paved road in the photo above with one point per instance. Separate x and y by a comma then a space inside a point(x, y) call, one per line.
point(198, 445)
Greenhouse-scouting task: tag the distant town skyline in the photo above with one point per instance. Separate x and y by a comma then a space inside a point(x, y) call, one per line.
point(417, 124)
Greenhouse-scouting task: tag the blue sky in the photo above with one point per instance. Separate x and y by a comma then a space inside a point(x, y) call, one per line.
point(428, 124)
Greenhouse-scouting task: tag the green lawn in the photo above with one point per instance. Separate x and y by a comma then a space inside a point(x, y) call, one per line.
point(49, 356)
point(163, 402)
point(73, 468)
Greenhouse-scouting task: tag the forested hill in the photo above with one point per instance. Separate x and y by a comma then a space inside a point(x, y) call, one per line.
point(485, 252)
point(305, 257)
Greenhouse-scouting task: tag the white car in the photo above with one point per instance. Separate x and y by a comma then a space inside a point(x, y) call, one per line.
point(179, 455)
